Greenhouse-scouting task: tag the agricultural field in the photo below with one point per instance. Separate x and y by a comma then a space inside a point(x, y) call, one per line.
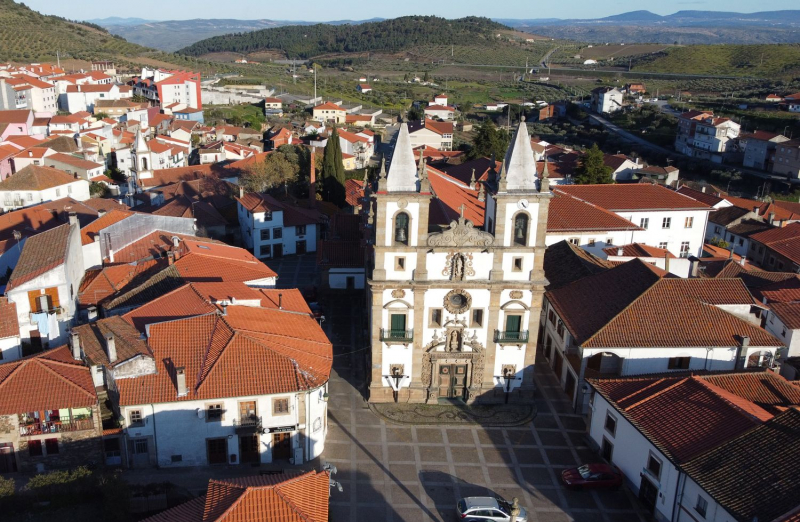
point(566, 54)
point(510, 54)
point(759, 61)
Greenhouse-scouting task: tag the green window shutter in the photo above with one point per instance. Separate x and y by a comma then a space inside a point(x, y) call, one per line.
point(513, 323)
point(398, 322)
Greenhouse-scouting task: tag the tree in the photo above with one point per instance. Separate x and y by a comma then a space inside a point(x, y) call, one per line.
point(592, 169)
point(273, 171)
point(333, 171)
point(489, 140)
point(415, 113)
point(101, 115)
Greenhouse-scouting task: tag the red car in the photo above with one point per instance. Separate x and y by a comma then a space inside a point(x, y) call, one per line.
point(592, 476)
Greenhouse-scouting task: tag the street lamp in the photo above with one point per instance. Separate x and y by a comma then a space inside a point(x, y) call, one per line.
point(394, 380)
point(509, 376)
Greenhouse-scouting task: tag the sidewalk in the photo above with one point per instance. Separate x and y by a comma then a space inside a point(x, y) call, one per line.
point(489, 415)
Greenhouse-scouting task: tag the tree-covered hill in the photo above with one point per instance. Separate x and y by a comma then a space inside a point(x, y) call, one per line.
point(29, 36)
point(387, 36)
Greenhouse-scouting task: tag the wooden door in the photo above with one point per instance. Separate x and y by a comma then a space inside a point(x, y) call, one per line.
point(452, 380)
point(217, 451)
point(248, 448)
point(648, 493)
point(247, 410)
point(277, 250)
point(281, 446)
point(8, 462)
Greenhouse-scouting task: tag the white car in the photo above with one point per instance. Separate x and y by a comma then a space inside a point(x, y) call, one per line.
point(487, 509)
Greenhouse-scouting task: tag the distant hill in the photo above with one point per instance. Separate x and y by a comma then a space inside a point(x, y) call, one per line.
point(386, 36)
point(171, 35)
point(683, 27)
point(26, 35)
point(761, 61)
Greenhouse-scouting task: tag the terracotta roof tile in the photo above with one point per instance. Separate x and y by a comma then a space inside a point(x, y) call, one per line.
point(50, 380)
point(450, 195)
point(788, 313)
point(565, 263)
point(91, 231)
point(127, 341)
point(178, 304)
point(638, 250)
point(41, 253)
point(639, 196)
point(568, 214)
point(9, 322)
point(34, 177)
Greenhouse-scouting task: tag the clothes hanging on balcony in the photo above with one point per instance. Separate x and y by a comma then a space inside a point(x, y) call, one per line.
point(52, 321)
point(42, 323)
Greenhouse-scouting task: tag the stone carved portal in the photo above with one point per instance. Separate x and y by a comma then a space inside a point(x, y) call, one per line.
point(432, 358)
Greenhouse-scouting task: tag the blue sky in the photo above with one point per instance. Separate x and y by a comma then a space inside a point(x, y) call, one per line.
point(358, 9)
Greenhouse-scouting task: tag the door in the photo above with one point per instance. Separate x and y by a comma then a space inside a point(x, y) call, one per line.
point(8, 463)
point(247, 412)
point(301, 247)
point(281, 446)
point(277, 250)
point(351, 282)
point(452, 380)
point(648, 493)
point(140, 453)
point(248, 448)
point(513, 326)
point(398, 325)
point(569, 387)
point(558, 366)
point(217, 451)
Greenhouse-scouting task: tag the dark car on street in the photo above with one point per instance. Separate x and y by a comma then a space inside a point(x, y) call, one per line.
point(592, 476)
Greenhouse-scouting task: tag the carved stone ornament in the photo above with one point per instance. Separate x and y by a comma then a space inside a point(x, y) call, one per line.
point(476, 356)
point(458, 266)
point(457, 301)
point(402, 203)
point(398, 293)
point(509, 370)
point(397, 369)
point(515, 294)
point(461, 233)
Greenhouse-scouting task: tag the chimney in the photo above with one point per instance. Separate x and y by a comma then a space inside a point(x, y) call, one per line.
point(224, 305)
point(76, 346)
point(741, 352)
point(111, 347)
point(666, 261)
point(73, 218)
point(170, 258)
point(181, 379)
point(694, 265)
point(101, 213)
point(771, 217)
point(175, 241)
point(30, 153)
point(619, 251)
point(703, 190)
point(743, 260)
point(755, 209)
point(110, 255)
point(280, 301)
point(241, 191)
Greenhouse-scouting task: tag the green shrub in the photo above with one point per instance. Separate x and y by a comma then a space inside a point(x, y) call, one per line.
point(6, 487)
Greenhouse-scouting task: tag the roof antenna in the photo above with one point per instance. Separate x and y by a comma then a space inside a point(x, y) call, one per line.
point(280, 301)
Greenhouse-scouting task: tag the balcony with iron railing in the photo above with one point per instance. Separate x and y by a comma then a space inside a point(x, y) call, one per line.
point(397, 336)
point(520, 337)
point(247, 425)
point(43, 428)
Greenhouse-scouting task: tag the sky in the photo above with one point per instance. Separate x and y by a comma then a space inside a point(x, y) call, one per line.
point(360, 10)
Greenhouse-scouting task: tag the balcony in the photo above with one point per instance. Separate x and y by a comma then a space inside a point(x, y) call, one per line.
point(247, 425)
point(58, 310)
point(511, 337)
point(397, 336)
point(43, 428)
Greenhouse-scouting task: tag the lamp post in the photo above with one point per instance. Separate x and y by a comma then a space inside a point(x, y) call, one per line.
point(506, 379)
point(394, 381)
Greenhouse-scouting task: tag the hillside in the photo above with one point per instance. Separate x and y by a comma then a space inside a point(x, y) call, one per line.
point(28, 36)
point(386, 36)
point(761, 61)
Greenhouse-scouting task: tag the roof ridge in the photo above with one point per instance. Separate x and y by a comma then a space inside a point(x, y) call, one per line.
point(678, 382)
point(62, 377)
point(758, 412)
point(199, 380)
point(294, 507)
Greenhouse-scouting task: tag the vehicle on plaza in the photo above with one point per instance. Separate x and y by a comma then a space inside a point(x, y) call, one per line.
point(317, 312)
point(592, 476)
point(487, 509)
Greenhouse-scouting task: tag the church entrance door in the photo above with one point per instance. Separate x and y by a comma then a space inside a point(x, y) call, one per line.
point(452, 380)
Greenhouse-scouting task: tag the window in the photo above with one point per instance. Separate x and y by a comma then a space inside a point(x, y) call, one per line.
point(702, 506)
point(684, 249)
point(35, 448)
point(644, 222)
point(678, 363)
point(69, 189)
point(513, 323)
point(300, 230)
point(609, 241)
point(591, 241)
point(607, 449)
point(58, 192)
point(399, 263)
point(140, 447)
point(29, 196)
point(277, 233)
point(666, 222)
point(397, 324)
point(517, 264)
point(521, 230)
point(51, 446)
point(663, 245)
point(436, 317)
point(401, 228)
point(654, 467)
point(267, 216)
point(611, 424)
point(771, 260)
point(717, 230)
point(477, 318)
point(136, 418)
point(780, 265)
point(575, 241)
point(214, 412)
point(688, 223)
point(265, 234)
point(280, 406)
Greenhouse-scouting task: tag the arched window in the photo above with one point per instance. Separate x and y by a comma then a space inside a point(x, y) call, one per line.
point(401, 228)
point(521, 229)
point(144, 163)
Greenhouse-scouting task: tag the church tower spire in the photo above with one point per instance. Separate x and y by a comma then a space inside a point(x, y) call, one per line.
point(403, 175)
point(520, 163)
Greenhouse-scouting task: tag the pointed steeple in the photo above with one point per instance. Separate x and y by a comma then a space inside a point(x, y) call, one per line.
point(503, 184)
point(520, 161)
point(139, 143)
point(481, 193)
point(403, 174)
point(382, 176)
point(472, 180)
point(544, 183)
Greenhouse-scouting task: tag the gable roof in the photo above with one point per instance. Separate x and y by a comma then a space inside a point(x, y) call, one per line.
point(727, 215)
point(34, 178)
point(90, 232)
point(50, 380)
point(637, 196)
point(638, 250)
point(754, 476)
point(127, 341)
point(41, 253)
point(287, 497)
point(568, 214)
point(328, 106)
point(565, 263)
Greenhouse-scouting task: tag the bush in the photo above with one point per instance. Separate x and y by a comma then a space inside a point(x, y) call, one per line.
point(6, 488)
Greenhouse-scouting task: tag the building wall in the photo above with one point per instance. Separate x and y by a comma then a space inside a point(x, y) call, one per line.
point(787, 160)
point(10, 349)
point(688, 502)
point(584, 239)
point(337, 278)
point(676, 234)
point(791, 338)
point(254, 223)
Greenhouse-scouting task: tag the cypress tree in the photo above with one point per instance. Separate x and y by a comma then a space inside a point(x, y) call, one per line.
point(333, 178)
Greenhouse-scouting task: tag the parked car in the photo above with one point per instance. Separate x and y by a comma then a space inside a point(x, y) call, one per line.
point(592, 476)
point(487, 509)
point(317, 312)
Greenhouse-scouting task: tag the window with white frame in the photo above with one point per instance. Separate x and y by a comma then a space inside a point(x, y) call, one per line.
point(611, 424)
point(644, 222)
point(702, 506)
point(688, 223)
point(654, 466)
point(684, 249)
point(666, 222)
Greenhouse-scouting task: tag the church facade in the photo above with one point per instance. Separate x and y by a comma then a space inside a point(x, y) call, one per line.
point(455, 307)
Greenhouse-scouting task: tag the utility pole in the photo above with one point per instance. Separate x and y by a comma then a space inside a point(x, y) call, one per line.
point(58, 59)
point(315, 82)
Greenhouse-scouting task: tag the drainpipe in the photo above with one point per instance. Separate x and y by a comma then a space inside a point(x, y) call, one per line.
point(681, 486)
point(155, 434)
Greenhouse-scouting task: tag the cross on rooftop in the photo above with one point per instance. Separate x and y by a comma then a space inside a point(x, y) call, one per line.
point(461, 209)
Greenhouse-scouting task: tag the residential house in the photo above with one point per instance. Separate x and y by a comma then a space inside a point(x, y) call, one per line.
point(759, 149)
point(702, 135)
point(363, 88)
point(273, 107)
point(40, 95)
point(621, 166)
point(16, 123)
point(670, 220)
point(190, 114)
point(274, 229)
point(71, 164)
point(83, 97)
point(441, 112)
point(278, 138)
point(33, 185)
point(225, 151)
point(44, 284)
point(687, 443)
point(431, 133)
point(614, 338)
point(777, 249)
point(687, 125)
point(231, 133)
point(787, 159)
point(735, 225)
point(270, 498)
point(664, 176)
point(792, 102)
point(781, 294)
point(54, 424)
point(72, 124)
point(606, 100)
point(360, 146)
point(164, 87)
point(635, 88)
point(658, 257)
point(329, 112)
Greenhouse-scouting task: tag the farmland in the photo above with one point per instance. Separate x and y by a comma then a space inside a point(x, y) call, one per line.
point(760, 61)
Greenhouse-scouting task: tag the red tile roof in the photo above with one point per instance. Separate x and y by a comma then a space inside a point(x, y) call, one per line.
point(271, 498)
point(354, 191)
point(293, 215)
point(703, 197)
point(90, 231)
point(50, 380)
point(69, 159)
point(788, 313)
point(451, 194)
point(328, 106)
point(178, 304)
point(153, 245)
point(35, 178)
point(41, 253)
point(127, 341)
point(639, 196)
point(9, 322)
point(638, 250)
point(101, 283)
point(567, 214)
